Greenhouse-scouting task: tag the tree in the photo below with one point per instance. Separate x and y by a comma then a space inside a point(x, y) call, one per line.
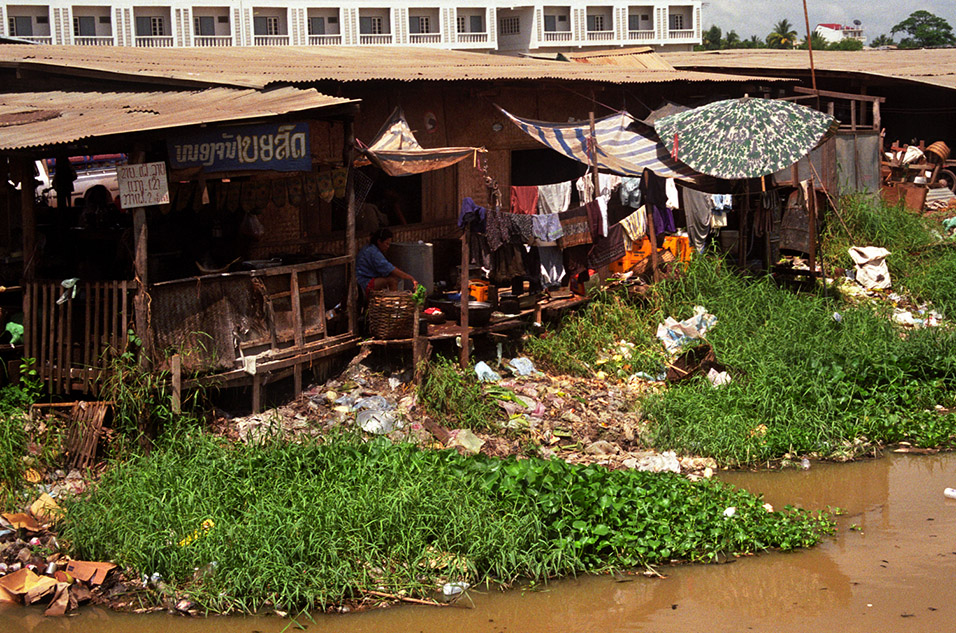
point(818, 42)
point(711, 38)
point(732, 40)
point(753, 42)
point(882, 40)
point(847, 44)
point(782, 36)
point(924, 30)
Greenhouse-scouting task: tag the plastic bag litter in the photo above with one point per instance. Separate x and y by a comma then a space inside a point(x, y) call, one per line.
point(718, 378)
point(378, 422)
point(467, 440)
point(374, 403)
point(675, 334)
point(871, 269)
point(486, 373)
point(522, 366)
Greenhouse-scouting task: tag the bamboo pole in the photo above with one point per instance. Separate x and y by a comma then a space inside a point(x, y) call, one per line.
point(350, 245)
point(464, 357)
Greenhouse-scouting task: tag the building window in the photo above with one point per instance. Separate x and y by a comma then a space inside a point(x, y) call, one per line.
point(460, 23)
point(104, 19)
point(317, 26)
point(596, 22)
point(676, 21)
point(373, 25)
point(84, 26)
point(157, 26)
point(266, 25)
point(21, 26)
point(150, 26)
point(419, 24)
point(204, 25)
point(509, 26)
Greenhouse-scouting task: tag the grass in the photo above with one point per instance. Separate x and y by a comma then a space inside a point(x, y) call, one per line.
point(456, 396)
point(803, 381)
point(302, 526)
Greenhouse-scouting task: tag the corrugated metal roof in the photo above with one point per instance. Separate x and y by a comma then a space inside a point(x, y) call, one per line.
point(258, 67)
point(53, 118)
point(641, 57)
point(935, 67)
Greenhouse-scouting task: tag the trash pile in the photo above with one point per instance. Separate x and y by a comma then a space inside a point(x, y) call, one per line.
point(579, 420)
point(32, 569)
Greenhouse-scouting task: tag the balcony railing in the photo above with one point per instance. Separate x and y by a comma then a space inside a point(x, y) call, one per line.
point(271, 40)
point(154, 41)
point(680, 34)
point(424, 38)
point(472, 38)
point(93, 40)
point(325, 40)
point(600, 36)
point(38, 39)
point(207, 41)
point(641, 36)
point(375, 39)
point(557, 36)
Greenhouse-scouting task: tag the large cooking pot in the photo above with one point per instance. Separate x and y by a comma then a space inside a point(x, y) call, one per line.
point(479, 313)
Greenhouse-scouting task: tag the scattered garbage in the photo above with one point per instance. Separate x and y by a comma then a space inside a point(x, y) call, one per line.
point(676, 334)
point(522, 366)
point(871, 269)
point(486, 373)
point(378, 422)
point(729, 512)
point(452, 589)
point(718, 378)
point(466, 440)
point(949, 493)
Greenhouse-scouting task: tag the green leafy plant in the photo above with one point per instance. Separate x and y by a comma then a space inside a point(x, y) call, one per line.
point(446, 391)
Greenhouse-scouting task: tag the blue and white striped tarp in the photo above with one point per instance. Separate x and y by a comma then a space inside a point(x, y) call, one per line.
point(620, 148)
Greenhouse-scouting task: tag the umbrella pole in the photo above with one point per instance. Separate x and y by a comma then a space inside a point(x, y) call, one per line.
point(812, 214)
point(594, 159)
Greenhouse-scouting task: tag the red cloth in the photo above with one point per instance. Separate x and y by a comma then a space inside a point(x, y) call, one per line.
point(524, 200)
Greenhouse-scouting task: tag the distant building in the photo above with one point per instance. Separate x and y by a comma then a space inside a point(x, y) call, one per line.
point(486, 25)
point(834, 33)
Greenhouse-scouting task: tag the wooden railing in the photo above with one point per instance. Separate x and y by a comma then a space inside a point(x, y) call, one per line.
point(90, 40)
point(155, 41)
point(600, 36)
point(375, 39)
point(271, 40)
point(212, 41)
point(557, 36)
point(74, 340)
point(641, 36)
point(472, 38)
point(325, 40)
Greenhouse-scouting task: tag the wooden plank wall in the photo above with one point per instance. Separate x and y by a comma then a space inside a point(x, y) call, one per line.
point(73, 340)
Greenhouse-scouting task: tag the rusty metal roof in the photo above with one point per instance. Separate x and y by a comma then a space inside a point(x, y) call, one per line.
point(53, 118)
point(254, 67)
point(935, 67)
point(640, 57)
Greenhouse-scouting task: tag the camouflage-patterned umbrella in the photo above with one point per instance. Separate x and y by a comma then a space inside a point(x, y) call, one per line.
point(744, 138)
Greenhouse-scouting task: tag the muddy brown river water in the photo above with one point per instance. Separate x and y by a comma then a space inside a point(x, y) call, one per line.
point(890, 567)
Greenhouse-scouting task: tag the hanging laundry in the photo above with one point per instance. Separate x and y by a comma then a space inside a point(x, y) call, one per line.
point(497, 229)
point(697, 206)
point(607, 183)
point(631, 192)
point(597, 219)
point(554, 198)
point(608, 249)
point(574, 223)
point(472, 214)
point(524, 200)
point(552, 266)
point(635, 228)
point(547, 228)
point(673, 199)
point(654, 189)
point(585, 187)
point(521, 227)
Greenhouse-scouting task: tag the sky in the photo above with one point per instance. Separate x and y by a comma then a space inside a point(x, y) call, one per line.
point(757, 17)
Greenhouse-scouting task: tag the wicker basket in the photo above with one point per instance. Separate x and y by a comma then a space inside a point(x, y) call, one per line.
point(391, 314)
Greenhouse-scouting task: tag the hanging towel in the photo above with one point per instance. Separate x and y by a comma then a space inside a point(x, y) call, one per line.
point(524, 200)
point(608, 249)
point(697, 207)
point(631, 192)
point(607, 183)
point(655, 195)
point(547, 228)
point(574, 223)
point(585, 187)
point(554, 198)
point(635, 228)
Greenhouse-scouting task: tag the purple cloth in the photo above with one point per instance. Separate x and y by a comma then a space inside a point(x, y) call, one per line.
point(595, 220)
point(472, 214)
point(654, 189)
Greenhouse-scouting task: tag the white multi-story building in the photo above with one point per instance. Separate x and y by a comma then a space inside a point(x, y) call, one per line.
point(490, 25)
point(834, 33)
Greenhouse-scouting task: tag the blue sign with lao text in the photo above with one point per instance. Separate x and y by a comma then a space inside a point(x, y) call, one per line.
point(277, 147)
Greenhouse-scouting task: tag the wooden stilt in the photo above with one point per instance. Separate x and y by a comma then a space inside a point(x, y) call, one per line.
point(464, 357)
point(812, 214)
point(351, 248)
point(176, 369)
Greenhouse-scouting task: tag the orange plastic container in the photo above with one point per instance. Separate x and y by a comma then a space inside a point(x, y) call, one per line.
point(479, 290)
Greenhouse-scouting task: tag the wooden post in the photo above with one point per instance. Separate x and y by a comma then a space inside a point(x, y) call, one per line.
point(465, 258)
point(742, 229)
point(812, 214)
point(351, 247)
point(177, 371)
point(416, 344)
point(596, 178)
point(28, 216)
